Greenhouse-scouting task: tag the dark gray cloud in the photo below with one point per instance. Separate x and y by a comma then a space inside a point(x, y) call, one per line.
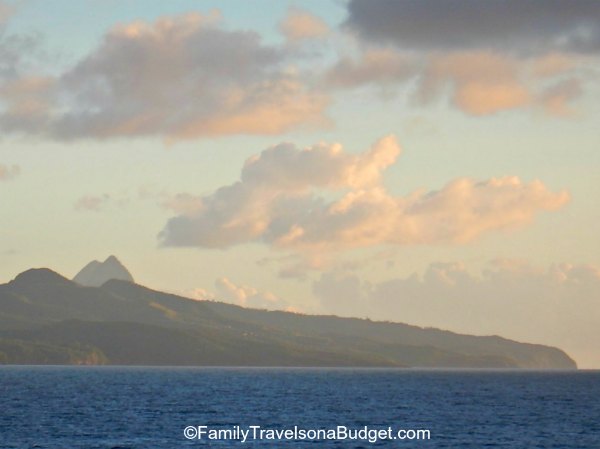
point(520, 26)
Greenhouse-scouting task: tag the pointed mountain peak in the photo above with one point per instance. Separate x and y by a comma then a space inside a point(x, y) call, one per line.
point(112, 260)
point(95, 273)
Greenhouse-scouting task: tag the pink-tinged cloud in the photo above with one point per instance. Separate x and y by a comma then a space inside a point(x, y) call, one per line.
point(321, 199)
point(183, 203)
point(480, 83)
point(300, 24)
point(26, 103)
point(557, 99)
point(6, 10)
point(8, 172)
point(92, 202)
point(384, 66)
point(182, 77)
point(482, 59)
point(477, 83)
point(242, 295)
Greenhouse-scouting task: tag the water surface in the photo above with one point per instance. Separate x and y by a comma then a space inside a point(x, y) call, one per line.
point(113, 407)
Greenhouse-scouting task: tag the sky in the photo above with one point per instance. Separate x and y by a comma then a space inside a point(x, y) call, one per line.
point(405, 161)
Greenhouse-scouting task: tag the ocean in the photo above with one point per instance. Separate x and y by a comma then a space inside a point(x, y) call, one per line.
point(135, 407)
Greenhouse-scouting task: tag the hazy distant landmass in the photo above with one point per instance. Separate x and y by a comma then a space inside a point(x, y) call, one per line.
point(48, 319)
point(95, 273)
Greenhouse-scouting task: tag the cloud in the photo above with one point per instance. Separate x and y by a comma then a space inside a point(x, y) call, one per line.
point(553, 64)
point(478, 83)
point(92, 202)
point(182, 203)
point(483, 83)
point(516, 26)
point(557, 99)
point(9, 172)
point(242, 295)
point(97, 203)
point(26, 103)
point(6, 11)
point(559, 305)
point(300, 24)
point(320, 199)
point(484, 58)
point(17, 51)
point(384, 66)
point(189, 77)
point(180, 77)
point(296, 266)
point(288, 168)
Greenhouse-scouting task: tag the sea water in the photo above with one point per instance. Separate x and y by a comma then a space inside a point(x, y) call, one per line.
point(120, 407)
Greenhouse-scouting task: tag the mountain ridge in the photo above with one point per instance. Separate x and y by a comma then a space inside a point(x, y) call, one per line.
point(112, 323)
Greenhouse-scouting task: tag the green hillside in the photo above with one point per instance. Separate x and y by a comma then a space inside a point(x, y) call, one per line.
point(45, 318)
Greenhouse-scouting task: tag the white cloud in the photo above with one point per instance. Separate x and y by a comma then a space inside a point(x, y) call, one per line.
point(321, 199)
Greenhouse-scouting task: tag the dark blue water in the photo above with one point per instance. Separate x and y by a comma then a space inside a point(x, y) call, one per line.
point(52, 407)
